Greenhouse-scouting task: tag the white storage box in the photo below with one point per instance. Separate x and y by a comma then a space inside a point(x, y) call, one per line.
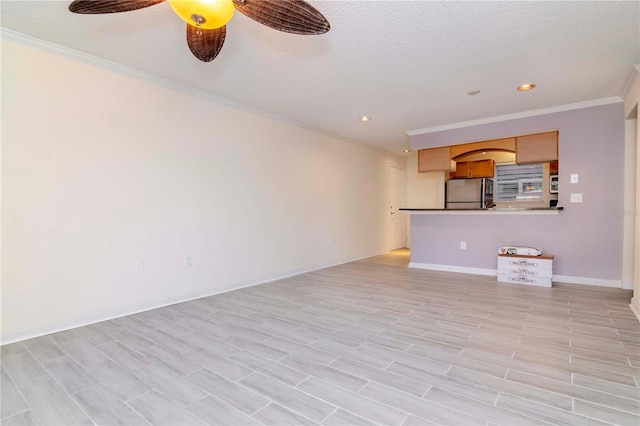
point(528, 270)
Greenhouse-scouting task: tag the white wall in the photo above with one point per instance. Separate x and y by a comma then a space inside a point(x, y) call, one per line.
point(102, 170)
point(632, 250)
point(629, 220)
point(424, 190)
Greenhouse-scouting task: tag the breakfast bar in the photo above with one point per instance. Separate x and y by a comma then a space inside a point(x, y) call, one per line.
point(489, 211)
point(467, 240)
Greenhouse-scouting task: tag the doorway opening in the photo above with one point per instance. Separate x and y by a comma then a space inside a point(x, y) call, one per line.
point(397, 199)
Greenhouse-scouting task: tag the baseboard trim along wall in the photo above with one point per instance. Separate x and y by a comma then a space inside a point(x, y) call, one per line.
point(493, 272)
point(451, 268)
point(635, 306)
point(43, 330)
point(587, 281)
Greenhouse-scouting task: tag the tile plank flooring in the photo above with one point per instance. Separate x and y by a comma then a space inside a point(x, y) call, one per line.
point(368, 342)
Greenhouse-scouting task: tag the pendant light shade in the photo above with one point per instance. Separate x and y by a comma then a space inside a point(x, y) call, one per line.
point(205, 14)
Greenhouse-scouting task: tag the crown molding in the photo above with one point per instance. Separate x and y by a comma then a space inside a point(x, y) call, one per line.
point(514, 116)
point(631, 78)
point(49, 47)
point(89, 59)
point(86, 58)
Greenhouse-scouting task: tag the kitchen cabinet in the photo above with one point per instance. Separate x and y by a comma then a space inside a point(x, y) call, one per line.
point(474, 169)
point(463, 170)
point(435, 160)
point(482, 168)
point(537, 148)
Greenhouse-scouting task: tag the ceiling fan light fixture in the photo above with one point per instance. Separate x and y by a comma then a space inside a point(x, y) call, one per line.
point(206, 20)
point(205, 14)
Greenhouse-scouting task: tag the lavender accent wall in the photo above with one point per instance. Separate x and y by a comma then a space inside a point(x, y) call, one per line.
point(586, 237)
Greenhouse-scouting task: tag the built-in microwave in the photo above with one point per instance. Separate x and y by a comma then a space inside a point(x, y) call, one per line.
point(553, 184)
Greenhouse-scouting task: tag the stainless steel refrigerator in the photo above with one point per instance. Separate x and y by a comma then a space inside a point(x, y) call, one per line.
point(469, 193)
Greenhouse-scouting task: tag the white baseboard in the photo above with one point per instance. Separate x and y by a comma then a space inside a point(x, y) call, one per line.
point(451, 268)
point(71, 323)
point(635, 306)
point(626, 285)
point(493, 272)
point(43, 330)
point(601, 282)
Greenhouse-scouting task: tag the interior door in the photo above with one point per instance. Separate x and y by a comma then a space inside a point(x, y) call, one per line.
point(397, 199)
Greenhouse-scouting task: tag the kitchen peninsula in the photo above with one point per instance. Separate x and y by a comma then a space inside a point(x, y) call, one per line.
point(586, 237)
point(500, 187)
point(467, 240)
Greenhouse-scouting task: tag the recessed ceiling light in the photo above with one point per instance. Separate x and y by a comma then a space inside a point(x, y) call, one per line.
point(526, 87)
point(406, 150)
point(473, 92)
point(364, 118)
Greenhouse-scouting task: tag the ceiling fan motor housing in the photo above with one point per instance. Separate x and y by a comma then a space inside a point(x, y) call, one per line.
point(198, 19)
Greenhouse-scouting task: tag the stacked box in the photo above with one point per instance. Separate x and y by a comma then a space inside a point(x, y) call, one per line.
point(527, 270)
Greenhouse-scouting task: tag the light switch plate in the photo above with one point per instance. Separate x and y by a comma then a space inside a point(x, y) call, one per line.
point(574, 178)
point(576, 198)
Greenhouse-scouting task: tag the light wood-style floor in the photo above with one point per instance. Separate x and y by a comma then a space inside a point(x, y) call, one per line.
point(369, 342)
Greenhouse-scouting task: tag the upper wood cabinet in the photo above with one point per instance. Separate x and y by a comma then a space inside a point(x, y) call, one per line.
point(463, 170)
point(435, 160)
point(537, 148)
point(474, 169)
point(482, 168)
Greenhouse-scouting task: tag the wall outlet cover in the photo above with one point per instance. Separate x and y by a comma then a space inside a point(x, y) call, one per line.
point(576, 198)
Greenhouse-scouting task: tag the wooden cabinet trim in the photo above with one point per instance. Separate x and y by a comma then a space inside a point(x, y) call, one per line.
point(506, 144)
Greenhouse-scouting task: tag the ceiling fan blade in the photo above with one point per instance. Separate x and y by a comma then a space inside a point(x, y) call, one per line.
point(93, 7)
point(290, 16)
point(205, 44)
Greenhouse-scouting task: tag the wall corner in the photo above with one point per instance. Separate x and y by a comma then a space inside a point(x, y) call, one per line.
point(635, 306)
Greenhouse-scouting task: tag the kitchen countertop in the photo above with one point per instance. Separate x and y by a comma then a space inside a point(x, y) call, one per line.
point(493, 210)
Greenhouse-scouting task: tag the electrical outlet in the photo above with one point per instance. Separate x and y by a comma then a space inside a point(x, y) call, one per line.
point(463, 245)
point(188, 261)
point(574, 178)
point(576, 198)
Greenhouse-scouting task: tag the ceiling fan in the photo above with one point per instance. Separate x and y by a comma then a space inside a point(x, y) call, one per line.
point(206, 19)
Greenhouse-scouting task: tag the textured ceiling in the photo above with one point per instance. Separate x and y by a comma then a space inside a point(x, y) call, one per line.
point(407, 64)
